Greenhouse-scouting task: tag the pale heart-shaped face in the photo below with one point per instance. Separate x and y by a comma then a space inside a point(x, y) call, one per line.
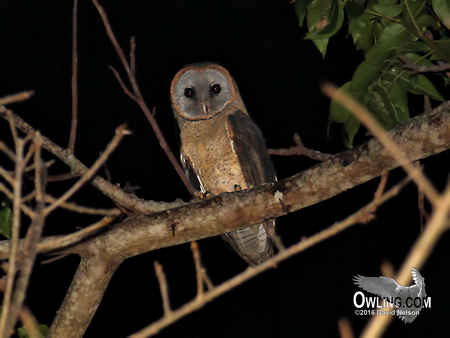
point(199, 92)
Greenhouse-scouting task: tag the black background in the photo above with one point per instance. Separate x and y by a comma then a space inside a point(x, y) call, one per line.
point(278, 73)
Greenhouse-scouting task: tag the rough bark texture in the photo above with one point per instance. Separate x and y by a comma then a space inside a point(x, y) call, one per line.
point(81, 301)
point(419, 138)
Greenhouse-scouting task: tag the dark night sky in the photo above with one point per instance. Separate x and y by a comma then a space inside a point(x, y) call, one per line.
point(278, 74)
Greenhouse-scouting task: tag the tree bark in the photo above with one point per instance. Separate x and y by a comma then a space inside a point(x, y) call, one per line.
point(420, 137)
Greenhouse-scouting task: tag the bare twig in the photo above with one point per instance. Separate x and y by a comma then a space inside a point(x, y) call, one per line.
point(163, 288)
point(27, 210)
point(7, 176)
point(16, 97)
point(253, 271)
point(8, 152)
point(206, 279)
point(427, 108)
point(130, 70)
point(121, 131)
point(46, 165)
point(28, 154)
point(381, 185)
point(119, 196)
point(74, 82)
point(345, 329)
point(133, 55)
point(84, 210)
point(122, 84)
point(32, 238)
point(424, 69)
point(423, 215)
point(300, 150)
point(387, 269)
point(417, 256)
point(63, 177)
point(198, 268)
point(12, 127)
point(364, 116)
point(29, 322)
point(53, 243)
point(5, 318)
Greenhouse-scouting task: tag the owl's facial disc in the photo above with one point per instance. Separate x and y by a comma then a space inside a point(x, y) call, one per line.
point(200, 93)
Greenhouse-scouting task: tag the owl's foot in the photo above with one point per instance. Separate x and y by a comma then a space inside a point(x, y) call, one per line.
point(199, 195)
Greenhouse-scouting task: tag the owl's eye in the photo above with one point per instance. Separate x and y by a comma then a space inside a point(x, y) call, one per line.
point(215, 88)
point(189, 92)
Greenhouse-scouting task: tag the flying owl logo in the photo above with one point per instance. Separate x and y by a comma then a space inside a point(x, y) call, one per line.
point(222, 149)
point(403, 296)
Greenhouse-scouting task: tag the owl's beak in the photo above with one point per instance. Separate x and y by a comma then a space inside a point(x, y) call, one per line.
point(204, 108)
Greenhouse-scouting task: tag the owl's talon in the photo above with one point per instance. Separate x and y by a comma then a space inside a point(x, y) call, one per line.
point(237, 187)
point(200, 195)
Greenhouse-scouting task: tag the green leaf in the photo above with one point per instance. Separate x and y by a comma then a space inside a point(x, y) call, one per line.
point(361, 28)
point(420, 85)
point(321, 45)
point(325, 18)
point(355, 8)
point(399, 98)
point(442, 10)
point(391, 39)
point(427, 21)
point(441, 50)
point(5, 220)
point(412, 9)
point(340, 114)
point(380, 105)
point(418, 59)
point(416, 84)
point(300, 10)
point(351, 128)
point(387, 8)
point(43, 330)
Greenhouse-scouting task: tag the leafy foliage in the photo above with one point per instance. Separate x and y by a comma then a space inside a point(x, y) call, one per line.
point(5, 219)
point(389, 33)
point(43, 330)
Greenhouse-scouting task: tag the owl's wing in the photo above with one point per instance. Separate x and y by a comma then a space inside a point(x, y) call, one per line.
point(380, 286)
point(249, 145)
point(190, 173)
point(252, 243)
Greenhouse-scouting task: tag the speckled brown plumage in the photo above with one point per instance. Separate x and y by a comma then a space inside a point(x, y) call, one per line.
point(225, 151)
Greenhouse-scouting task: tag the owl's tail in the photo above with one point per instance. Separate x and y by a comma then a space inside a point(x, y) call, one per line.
point(252, 243)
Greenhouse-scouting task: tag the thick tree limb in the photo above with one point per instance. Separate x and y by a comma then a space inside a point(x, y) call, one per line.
point(80, 303)
point(421, 137)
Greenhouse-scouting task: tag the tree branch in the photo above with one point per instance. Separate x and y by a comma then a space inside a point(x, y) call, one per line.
point(201, 299)
point(300, 150)
point(417, 256)
point(127, 200)
point(74, 82)
point(376, 129)
point(130, 69)
point(420, 137)
point(93, 273)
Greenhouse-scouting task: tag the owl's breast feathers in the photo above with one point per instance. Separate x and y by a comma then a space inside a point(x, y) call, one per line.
point(226, 153)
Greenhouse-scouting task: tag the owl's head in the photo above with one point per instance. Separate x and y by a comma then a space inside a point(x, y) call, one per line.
point(200, 91)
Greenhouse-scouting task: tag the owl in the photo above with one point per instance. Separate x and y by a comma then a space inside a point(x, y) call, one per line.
point(222, 149)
